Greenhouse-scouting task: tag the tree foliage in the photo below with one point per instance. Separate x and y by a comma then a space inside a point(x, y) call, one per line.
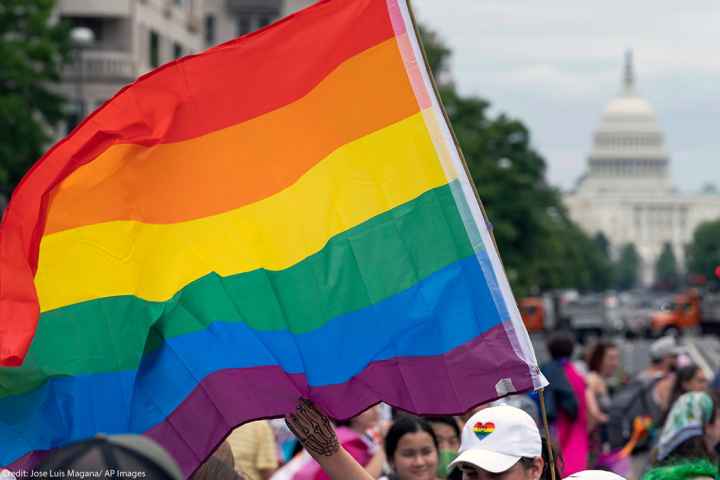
point(540, 246)
point(627, 268)
point(667, 276)
point(32, 51)
point(704, 251)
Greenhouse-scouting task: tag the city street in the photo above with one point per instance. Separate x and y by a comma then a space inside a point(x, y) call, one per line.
point(704, 350)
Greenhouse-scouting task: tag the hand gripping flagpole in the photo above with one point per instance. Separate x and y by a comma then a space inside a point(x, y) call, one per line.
point(541, 392)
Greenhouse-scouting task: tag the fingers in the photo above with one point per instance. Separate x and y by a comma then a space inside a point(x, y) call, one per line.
point(313, 429)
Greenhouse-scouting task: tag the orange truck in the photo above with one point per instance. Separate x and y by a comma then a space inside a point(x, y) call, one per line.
point(682, 313)
point(532, 310)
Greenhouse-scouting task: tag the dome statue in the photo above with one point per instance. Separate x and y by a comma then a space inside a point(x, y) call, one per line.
point(628, 152)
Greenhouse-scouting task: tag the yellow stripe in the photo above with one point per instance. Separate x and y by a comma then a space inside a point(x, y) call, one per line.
point(353, 184)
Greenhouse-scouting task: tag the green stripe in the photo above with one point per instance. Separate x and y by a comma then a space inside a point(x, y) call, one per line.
point(359, 267)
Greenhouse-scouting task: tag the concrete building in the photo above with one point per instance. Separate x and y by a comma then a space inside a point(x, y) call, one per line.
point(627, 190)
point(291, 6)
point(130, 38)
point(228, 19)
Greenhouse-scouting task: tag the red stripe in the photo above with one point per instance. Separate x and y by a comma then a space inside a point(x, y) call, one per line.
point(226, 85)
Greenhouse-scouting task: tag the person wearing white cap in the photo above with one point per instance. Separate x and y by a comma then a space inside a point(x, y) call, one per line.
point(502, 443)
point(594, 475)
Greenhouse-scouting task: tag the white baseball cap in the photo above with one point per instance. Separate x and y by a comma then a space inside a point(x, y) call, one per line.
point(594, 475)
point(496, 438)
point(665, 347)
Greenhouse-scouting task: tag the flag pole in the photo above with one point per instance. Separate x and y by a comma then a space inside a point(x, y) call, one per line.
point(447, 120)
point(551, 459)
point(551, 454)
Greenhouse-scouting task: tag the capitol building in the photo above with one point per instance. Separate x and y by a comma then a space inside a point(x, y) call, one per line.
point(627, 192)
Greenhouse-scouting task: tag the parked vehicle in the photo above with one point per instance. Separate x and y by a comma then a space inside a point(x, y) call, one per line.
point(594, 314)
point(679, 315)
point(544, 313)
point(636, 309)
point(710, 312)
point(533, 312)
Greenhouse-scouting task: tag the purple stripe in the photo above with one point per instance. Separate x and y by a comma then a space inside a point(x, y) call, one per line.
point(447, 384)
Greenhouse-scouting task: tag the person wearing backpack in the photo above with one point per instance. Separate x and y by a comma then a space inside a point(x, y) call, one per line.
point(566, 403)
point(638, 408)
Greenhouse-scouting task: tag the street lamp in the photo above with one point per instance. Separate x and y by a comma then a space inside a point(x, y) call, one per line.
point(81, 38)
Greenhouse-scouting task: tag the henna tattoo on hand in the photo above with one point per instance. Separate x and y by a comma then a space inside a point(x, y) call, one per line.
point(313, 429)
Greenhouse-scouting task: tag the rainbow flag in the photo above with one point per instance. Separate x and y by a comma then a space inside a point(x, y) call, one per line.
point(284, 215)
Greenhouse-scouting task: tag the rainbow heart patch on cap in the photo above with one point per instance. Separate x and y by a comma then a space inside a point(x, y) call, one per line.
point(482, 430)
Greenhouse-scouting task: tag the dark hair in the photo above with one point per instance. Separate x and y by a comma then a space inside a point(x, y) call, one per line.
point(683, 375)
point(561, 345)
point(693, 448)
point(219, 466)
point(597, 355)
point(403, 425)
point(528, 462)
point(446, 420)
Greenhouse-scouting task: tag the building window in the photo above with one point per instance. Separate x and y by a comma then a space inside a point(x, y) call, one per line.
point(177, 50)
point(210, 30)
point(242, 26)
point(154, 50)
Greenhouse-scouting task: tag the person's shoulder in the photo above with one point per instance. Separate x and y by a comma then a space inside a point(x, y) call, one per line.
point(593, 379)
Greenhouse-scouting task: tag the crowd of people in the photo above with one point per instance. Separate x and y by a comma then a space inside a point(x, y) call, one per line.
point(603, 420)
point(663, 424)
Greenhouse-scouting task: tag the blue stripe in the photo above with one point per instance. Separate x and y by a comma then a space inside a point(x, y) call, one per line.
point(449, 308)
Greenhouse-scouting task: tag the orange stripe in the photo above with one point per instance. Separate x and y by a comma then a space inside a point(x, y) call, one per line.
point(242, 164)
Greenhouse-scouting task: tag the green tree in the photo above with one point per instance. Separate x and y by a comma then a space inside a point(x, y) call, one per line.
point(602, 243)
point(704, 250)
point(627, 267)
point(666, 269)
point(540, 247)
point(32, 51)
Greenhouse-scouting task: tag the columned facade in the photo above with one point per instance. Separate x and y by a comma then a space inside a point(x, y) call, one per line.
point(626, 192)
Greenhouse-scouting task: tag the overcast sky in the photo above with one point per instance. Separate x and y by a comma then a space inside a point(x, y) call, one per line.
point(555, 65)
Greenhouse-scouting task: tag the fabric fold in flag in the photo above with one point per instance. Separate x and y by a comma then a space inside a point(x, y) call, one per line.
point(283, 215)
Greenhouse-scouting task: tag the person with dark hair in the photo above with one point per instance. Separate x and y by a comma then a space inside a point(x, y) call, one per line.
point(123, 454)
point(559, 395)
point(691, 431)
point(501, 442)
point(220, 465)
point(664, 354)
point(447, 432)
point(410, 444)
point(689, 378)
point(561, 345)
point(603, 362)
point(567, 403)
point(411, 449)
